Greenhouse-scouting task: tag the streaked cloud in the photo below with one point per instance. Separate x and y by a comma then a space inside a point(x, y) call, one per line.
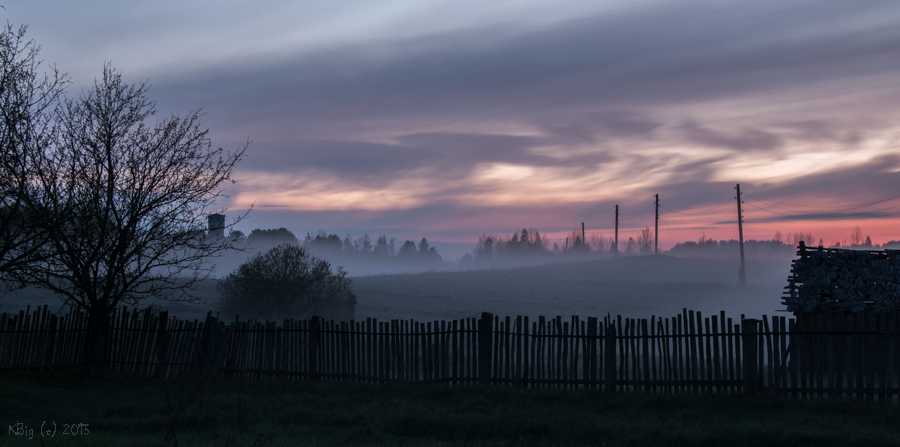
point(457, 118)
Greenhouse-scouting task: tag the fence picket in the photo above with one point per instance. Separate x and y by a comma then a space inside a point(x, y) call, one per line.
point(891, 357)
point(829, 354)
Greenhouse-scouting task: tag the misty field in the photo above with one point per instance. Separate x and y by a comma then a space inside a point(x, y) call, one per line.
point(121, 410)
point(636, 286)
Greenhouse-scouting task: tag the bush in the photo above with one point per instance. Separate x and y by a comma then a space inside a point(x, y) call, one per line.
point(285, 281)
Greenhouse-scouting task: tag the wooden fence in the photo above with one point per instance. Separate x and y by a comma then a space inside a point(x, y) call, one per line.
point(819, 355)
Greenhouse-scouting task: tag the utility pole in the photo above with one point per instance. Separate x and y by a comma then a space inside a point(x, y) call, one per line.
point(656, 236)
point(616, 251)
point(743, 272)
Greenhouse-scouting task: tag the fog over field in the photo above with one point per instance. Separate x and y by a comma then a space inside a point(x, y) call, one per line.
point(638, 286)
point(632, 286)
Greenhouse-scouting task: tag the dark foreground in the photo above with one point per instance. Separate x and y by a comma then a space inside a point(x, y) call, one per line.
point(117, 409)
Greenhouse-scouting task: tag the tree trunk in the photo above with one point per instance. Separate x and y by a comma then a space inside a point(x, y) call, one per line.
point(98, 332)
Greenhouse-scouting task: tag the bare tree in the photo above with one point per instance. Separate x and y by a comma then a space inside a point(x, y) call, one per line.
point(601, 243)
point(645, 241)
point(806, 237)
point(133, 198)
point(27, 99)
point(856, 236)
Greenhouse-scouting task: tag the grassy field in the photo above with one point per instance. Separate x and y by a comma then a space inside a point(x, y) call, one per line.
point(637, 287)
point(122, 410)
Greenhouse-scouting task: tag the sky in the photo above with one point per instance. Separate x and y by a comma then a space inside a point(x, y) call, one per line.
point(453, 119)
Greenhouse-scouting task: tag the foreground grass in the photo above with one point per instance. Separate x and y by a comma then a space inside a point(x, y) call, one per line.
point(125, 410)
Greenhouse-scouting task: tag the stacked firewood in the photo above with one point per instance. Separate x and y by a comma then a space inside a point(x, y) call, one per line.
point(840, 279)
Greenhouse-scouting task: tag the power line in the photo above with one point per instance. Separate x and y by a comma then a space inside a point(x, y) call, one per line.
point(602, 224)
point(714, 205)
point(766, 210)
point(651, 205)
point(666, 226)
point(775, 204)
point(766, 207)
point(712, 209)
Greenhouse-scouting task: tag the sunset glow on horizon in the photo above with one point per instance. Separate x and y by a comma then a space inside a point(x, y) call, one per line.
point(449, 120)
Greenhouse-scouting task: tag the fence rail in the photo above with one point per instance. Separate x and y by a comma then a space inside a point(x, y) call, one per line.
point(822, 354)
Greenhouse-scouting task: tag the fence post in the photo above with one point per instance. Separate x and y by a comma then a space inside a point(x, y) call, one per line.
point(590, 374)
point(609, 358)
point(51, 341)
point(162, 345)
point(485, 332)
point(211, 346)
point(314, 340)
point(751, 353)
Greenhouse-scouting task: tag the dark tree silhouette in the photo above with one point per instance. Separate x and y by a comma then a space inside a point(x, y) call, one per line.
point(408, 249)
point(134, 198)
point(283, 281)
point(383, 248)
point(271, 237)
point(367, 253)
point(577, 245)
point(537, 243)
point(27, 100)
point(364, 244)
point(513, 245)
point(525, 243)
point(484, 249)
point(428, 253)
point(323, 243)
point(630, 246)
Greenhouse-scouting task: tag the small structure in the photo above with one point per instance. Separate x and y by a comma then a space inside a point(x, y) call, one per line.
point(833, 279)
point(215, 226)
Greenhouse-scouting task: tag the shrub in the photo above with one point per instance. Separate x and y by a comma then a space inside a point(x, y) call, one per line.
point(285, 281)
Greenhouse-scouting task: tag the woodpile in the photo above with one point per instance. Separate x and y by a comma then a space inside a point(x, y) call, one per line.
point(828, 279)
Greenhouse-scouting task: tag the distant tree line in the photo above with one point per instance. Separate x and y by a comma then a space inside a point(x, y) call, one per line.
point(528, 245)
point(522, 244)
point(346, 250)
point(710, 247)
point(857, 241)
point(781, 244)
point(364, 248)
